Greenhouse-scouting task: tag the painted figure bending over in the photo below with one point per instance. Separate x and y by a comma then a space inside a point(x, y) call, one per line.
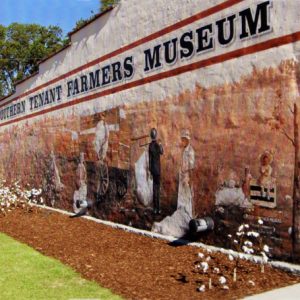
point(155, 151)
point(266, 180)
point(101, 138)
point(185, 189)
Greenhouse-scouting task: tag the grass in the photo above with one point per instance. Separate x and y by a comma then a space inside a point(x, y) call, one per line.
point(27, 274)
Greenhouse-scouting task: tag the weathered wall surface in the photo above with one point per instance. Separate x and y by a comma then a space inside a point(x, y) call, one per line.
point(234, 99)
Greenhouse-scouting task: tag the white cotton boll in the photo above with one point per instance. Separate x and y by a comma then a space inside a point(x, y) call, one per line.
point(231, 258)
point(208, 258)
point(241, 228)
point(204, 266)
point(222, 280)
point(235, 241)
point(229, 235)
point(260, 222)
point(240, 233)
point(247, 250)
point(253, 233)
point(216, 270)
point(266, 248)
point(248, 243)
point(246, 226)
point(225, 287)
point(201, 288)
point(251, 282)
point(209, 251)
point(201, 255)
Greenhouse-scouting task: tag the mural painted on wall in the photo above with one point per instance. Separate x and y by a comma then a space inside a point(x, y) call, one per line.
point(159, 165)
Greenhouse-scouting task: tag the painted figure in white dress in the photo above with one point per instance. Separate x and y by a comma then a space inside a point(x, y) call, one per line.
point(177, 225)
point(185, 189)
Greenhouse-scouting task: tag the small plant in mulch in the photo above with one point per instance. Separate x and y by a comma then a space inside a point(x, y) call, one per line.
point(245, 242)
point(249, 242)
point(212, 276)
point(14, 196)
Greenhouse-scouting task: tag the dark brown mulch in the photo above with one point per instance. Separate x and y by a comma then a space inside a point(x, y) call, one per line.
point(131, 265)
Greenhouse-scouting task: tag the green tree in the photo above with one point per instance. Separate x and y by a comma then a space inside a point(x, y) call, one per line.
point(105, 4)
point(22, 46)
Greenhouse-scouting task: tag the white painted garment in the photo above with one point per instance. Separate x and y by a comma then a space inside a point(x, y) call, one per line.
point(144, 182)
point(177, 225)
point(185, 189)
point(101, 139)
point(231, 196)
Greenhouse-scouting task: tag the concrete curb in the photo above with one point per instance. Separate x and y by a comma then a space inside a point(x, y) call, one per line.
point(291, 292)
point(254, 258)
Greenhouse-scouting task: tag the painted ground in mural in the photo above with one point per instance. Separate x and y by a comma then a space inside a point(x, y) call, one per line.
point(138, 267)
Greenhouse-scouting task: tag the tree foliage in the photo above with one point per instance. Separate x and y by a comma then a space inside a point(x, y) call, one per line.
point(22, 46)
point(105, 4)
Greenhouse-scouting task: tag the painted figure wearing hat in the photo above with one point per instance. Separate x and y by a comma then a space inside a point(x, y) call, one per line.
point(185, 189)
point(155, 151)
point(266, 180)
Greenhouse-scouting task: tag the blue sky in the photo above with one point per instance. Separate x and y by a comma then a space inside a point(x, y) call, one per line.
point(63, 13)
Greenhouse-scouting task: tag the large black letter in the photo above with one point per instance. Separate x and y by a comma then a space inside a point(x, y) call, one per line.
point(224, 37)
point(106, 75)
point(171, 58)
point(128, 67)
point(152, 60)
point(84, 85)
point(186, 44)
point(247, 19)
point(116, 71)
point(70, 87)
point(94, 79)
point(204, 41)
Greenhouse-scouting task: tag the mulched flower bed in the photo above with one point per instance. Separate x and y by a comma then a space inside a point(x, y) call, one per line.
point(134, 266)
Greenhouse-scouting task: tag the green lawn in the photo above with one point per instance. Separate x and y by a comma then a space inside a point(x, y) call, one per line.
point(27, 274)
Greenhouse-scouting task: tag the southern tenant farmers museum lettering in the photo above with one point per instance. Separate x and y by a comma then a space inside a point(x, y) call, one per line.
point(209, 36)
